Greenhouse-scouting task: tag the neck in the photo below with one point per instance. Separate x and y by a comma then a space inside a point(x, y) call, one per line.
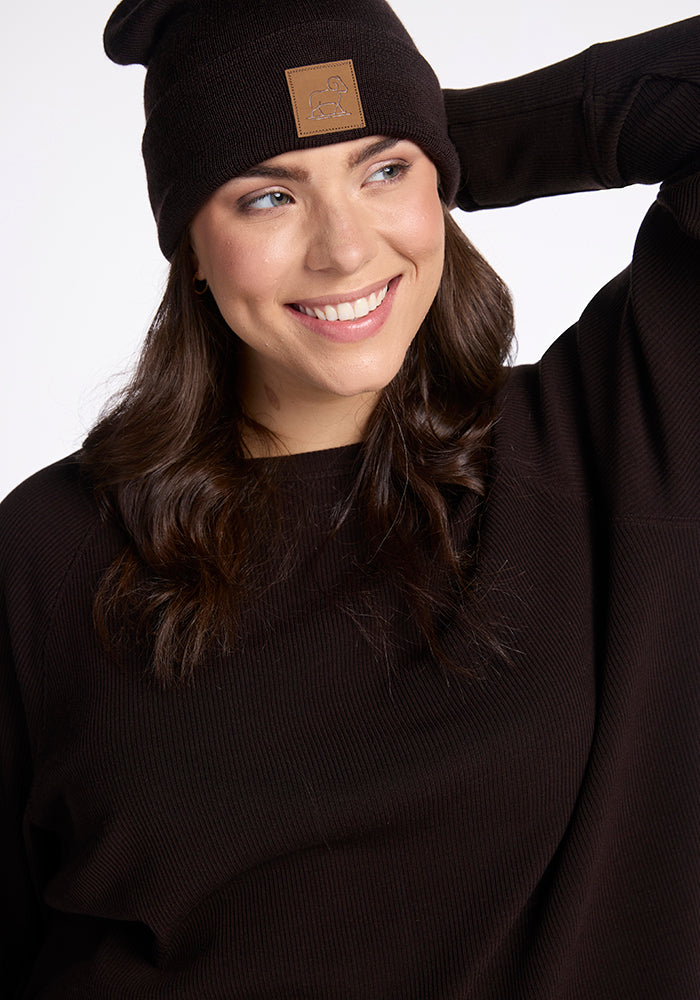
point(299, 426)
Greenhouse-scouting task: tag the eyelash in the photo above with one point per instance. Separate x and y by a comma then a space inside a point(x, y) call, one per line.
point(400, 166)
point(251, 203)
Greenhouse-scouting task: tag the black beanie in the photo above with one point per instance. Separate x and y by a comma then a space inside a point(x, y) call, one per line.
point(230, 84)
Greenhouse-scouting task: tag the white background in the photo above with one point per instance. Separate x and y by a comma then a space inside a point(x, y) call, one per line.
point(81, 273)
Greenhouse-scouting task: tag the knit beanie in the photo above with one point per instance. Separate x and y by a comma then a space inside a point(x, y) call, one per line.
point(231, 83)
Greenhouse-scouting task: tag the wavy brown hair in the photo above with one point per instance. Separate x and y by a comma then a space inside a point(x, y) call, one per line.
point(168, 462)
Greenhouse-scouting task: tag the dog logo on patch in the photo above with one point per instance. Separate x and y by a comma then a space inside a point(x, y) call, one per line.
point(325, 98)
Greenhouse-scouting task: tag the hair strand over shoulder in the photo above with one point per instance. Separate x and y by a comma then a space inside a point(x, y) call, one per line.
point(168, 462)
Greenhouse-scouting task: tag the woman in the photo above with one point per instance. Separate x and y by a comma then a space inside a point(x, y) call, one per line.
point(338, 664)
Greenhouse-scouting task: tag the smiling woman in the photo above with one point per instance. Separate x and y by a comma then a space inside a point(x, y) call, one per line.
point(325, 281)
point(344, 660)
point(414, 380)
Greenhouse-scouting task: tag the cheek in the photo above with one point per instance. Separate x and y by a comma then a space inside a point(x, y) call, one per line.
point(243, 271)
point(422, 230)
point(244, 263)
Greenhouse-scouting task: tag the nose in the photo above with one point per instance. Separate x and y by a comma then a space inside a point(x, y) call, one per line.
point(340, 237)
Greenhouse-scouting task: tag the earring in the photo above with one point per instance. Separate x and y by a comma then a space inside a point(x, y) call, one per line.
point(200, 285)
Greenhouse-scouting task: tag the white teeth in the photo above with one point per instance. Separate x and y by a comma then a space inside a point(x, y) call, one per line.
point(348, 310)
point(345, 311)
point(361, 308)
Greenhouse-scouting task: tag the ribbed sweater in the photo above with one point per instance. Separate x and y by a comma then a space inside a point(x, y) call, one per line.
point(325, 814)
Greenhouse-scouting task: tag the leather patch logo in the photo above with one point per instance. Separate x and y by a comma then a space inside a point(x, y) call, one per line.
point(325, 98)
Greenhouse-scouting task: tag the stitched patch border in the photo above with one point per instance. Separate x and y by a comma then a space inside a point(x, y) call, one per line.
point(325, 98)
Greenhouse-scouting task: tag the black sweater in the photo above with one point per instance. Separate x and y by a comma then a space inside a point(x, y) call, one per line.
point(322, 815)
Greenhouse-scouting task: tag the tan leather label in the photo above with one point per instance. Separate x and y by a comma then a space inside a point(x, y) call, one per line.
point(325, 98)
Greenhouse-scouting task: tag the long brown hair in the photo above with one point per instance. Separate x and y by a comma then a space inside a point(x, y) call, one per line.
point(168, 462)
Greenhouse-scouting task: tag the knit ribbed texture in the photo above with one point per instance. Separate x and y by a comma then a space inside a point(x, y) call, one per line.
point(322, 814)
point(566, 131)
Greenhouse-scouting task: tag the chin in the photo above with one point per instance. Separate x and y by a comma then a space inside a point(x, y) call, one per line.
point(373, 378)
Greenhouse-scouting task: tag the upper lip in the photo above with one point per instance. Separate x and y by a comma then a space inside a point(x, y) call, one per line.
point(333, 300)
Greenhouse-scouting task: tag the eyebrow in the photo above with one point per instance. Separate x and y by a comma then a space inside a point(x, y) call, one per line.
point(279, 173)
point(299, 175)
point(374, 149)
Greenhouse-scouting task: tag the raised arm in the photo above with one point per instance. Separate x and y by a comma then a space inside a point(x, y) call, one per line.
point(621, 112)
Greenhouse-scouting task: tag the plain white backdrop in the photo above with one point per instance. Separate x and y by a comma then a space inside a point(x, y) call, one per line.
point(81, 273)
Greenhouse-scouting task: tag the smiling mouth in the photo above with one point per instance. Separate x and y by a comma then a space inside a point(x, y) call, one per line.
point(345, 311)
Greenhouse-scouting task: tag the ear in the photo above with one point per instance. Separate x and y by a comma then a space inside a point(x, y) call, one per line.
point(195, 261)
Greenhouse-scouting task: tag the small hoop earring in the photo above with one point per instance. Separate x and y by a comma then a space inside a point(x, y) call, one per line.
point(200, 285)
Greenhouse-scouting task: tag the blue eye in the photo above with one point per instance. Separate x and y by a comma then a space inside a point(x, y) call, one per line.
point(272, 199)
point(391, 172)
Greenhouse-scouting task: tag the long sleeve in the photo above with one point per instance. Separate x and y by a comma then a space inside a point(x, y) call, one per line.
point(40, 532)
point(619, 113)
point(20, 911)
point(606, 428)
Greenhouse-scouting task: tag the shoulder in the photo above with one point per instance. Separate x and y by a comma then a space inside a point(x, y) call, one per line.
point(58, 494)
point(45, 519)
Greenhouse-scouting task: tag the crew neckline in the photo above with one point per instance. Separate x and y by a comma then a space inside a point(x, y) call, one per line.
point(321, 464)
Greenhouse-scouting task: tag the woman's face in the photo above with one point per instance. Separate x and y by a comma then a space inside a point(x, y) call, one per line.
point(324, 262)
